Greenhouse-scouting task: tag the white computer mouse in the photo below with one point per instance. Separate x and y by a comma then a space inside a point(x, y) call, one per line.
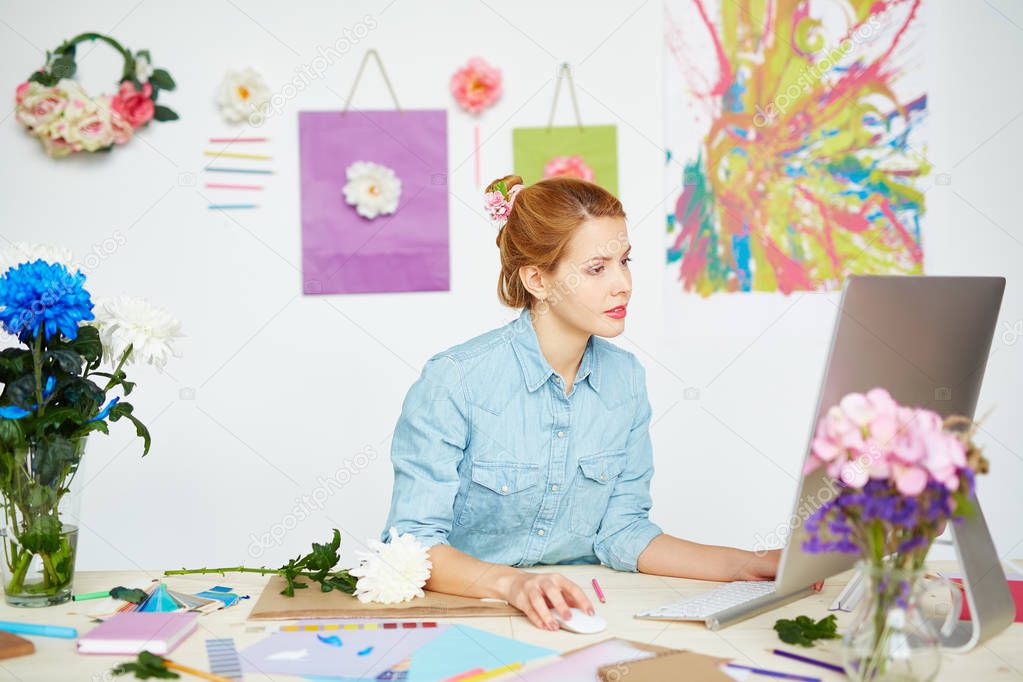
point(580, 622)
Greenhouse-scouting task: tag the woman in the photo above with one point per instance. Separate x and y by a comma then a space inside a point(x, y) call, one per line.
point(529, 444)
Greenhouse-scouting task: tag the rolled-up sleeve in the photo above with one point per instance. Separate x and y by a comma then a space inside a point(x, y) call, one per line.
point(626, 529)
point(428, 444)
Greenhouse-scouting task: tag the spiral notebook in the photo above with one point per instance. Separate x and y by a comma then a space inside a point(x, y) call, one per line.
point(135, 631)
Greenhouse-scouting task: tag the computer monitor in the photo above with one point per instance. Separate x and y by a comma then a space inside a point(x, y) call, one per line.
point(926, 340)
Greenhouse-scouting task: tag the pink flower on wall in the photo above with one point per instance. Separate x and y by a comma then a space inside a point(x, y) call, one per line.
point(572, 166)
point(476, 86)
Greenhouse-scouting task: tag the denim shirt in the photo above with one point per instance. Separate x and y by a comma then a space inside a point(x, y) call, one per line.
point(493, 458)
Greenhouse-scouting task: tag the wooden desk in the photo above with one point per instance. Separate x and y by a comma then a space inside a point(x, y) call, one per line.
point(747, 643)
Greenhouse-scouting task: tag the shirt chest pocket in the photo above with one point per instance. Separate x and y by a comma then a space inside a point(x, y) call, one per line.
point(592, 488)
point(502, 497)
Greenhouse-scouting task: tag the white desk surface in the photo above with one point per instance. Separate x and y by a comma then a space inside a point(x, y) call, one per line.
point(748, 642)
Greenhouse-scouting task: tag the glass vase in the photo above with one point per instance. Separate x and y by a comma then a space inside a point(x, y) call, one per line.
point(895, 630)
point(39, 527)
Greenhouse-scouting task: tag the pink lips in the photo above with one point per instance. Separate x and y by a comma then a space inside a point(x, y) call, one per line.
point(617, 313)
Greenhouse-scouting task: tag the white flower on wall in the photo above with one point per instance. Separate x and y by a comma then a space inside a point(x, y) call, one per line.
point(372, 189)
point(243, 95)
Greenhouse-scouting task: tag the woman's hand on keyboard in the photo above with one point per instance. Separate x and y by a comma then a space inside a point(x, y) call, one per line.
point(537, 594)
point(764, 566)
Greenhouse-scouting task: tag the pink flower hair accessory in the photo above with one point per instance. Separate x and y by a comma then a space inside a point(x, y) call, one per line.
point(498, 202)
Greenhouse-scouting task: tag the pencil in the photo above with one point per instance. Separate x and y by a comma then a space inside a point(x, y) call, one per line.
point(228, 140)
point(227, 185)
point(806, 659)
point(91, 595)
point(773, 673)
point(228, 206)
point(193, 671)
point(600, 592)
point(261, 171)
point(239, 155)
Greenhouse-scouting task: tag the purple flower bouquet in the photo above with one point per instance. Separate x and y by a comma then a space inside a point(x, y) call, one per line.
point(899, 475)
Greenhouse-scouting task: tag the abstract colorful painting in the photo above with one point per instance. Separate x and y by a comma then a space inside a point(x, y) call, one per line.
point(795, 142)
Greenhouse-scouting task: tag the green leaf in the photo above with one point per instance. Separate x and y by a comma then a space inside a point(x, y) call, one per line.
point(58, 417)
point(804, 630)
point(162, 113)
point(123, 409)
point(64, 66)
point(14, 362)
point(43, 535)
point(43, 78)
point(22, 391)
point(11, 436)
point(68, 360)
point(52, 455)
point(88, 345)
point(83, 393)
point(145, 666)
point(161, 79)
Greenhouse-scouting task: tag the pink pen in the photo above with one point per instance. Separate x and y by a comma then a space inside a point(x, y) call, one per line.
point(600, 592)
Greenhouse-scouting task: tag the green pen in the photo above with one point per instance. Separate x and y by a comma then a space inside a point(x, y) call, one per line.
point(134, 596)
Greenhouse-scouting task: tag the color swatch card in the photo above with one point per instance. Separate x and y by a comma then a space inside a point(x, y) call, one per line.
point(351, 653)
point(461, 648)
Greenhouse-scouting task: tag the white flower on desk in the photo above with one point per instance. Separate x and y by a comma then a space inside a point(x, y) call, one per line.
point(392, 572)
point(373, 189)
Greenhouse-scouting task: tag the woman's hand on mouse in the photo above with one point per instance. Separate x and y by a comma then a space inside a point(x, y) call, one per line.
point(538, 594)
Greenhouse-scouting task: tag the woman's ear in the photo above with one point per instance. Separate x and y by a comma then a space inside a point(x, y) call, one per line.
point(533, 280)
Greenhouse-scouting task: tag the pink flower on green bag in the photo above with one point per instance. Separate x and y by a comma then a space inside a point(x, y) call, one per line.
point(570, 166)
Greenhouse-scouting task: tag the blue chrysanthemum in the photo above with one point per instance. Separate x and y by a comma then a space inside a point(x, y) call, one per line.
point(41, 294)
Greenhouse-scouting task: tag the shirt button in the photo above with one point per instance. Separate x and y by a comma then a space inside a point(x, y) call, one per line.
point(504, 488)
point(554, 487)
point(603, 477)
point(561, 434)
point(540, 532)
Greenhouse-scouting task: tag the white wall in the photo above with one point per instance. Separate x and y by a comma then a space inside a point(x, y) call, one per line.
point(288, 388)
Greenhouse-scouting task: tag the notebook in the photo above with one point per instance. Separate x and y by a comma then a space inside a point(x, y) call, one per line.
point(135, 631)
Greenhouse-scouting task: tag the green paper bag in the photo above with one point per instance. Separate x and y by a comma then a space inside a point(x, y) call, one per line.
point(568, 150)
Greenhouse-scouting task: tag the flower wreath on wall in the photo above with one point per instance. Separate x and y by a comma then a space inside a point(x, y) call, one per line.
point(56, 109)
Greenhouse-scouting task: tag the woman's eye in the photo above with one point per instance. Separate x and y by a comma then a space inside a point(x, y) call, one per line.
point(627, 260)
point(596, 270)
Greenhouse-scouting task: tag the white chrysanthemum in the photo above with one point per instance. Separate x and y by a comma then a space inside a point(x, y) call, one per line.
point(23, 252)
point(392, 572)
point(243, 95)
point(372, 189)
point(150, 331)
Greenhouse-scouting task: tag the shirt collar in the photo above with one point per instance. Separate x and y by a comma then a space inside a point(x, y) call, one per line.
point(535, 368)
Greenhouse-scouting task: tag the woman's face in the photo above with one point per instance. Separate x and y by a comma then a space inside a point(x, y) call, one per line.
point(591, 286)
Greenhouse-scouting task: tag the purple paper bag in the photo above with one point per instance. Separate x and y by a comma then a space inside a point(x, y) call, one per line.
point(346, 253)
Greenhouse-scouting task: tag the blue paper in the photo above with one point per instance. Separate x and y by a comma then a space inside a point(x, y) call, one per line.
point(463, 648)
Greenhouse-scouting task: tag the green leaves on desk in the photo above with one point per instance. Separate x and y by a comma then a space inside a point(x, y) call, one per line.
point(145, 666)
point(315, 566)
point(804, 630)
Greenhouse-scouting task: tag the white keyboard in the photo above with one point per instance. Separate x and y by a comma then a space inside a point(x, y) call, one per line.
point(714, 601)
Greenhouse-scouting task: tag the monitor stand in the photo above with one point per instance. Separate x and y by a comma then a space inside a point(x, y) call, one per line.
point(984, 585)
